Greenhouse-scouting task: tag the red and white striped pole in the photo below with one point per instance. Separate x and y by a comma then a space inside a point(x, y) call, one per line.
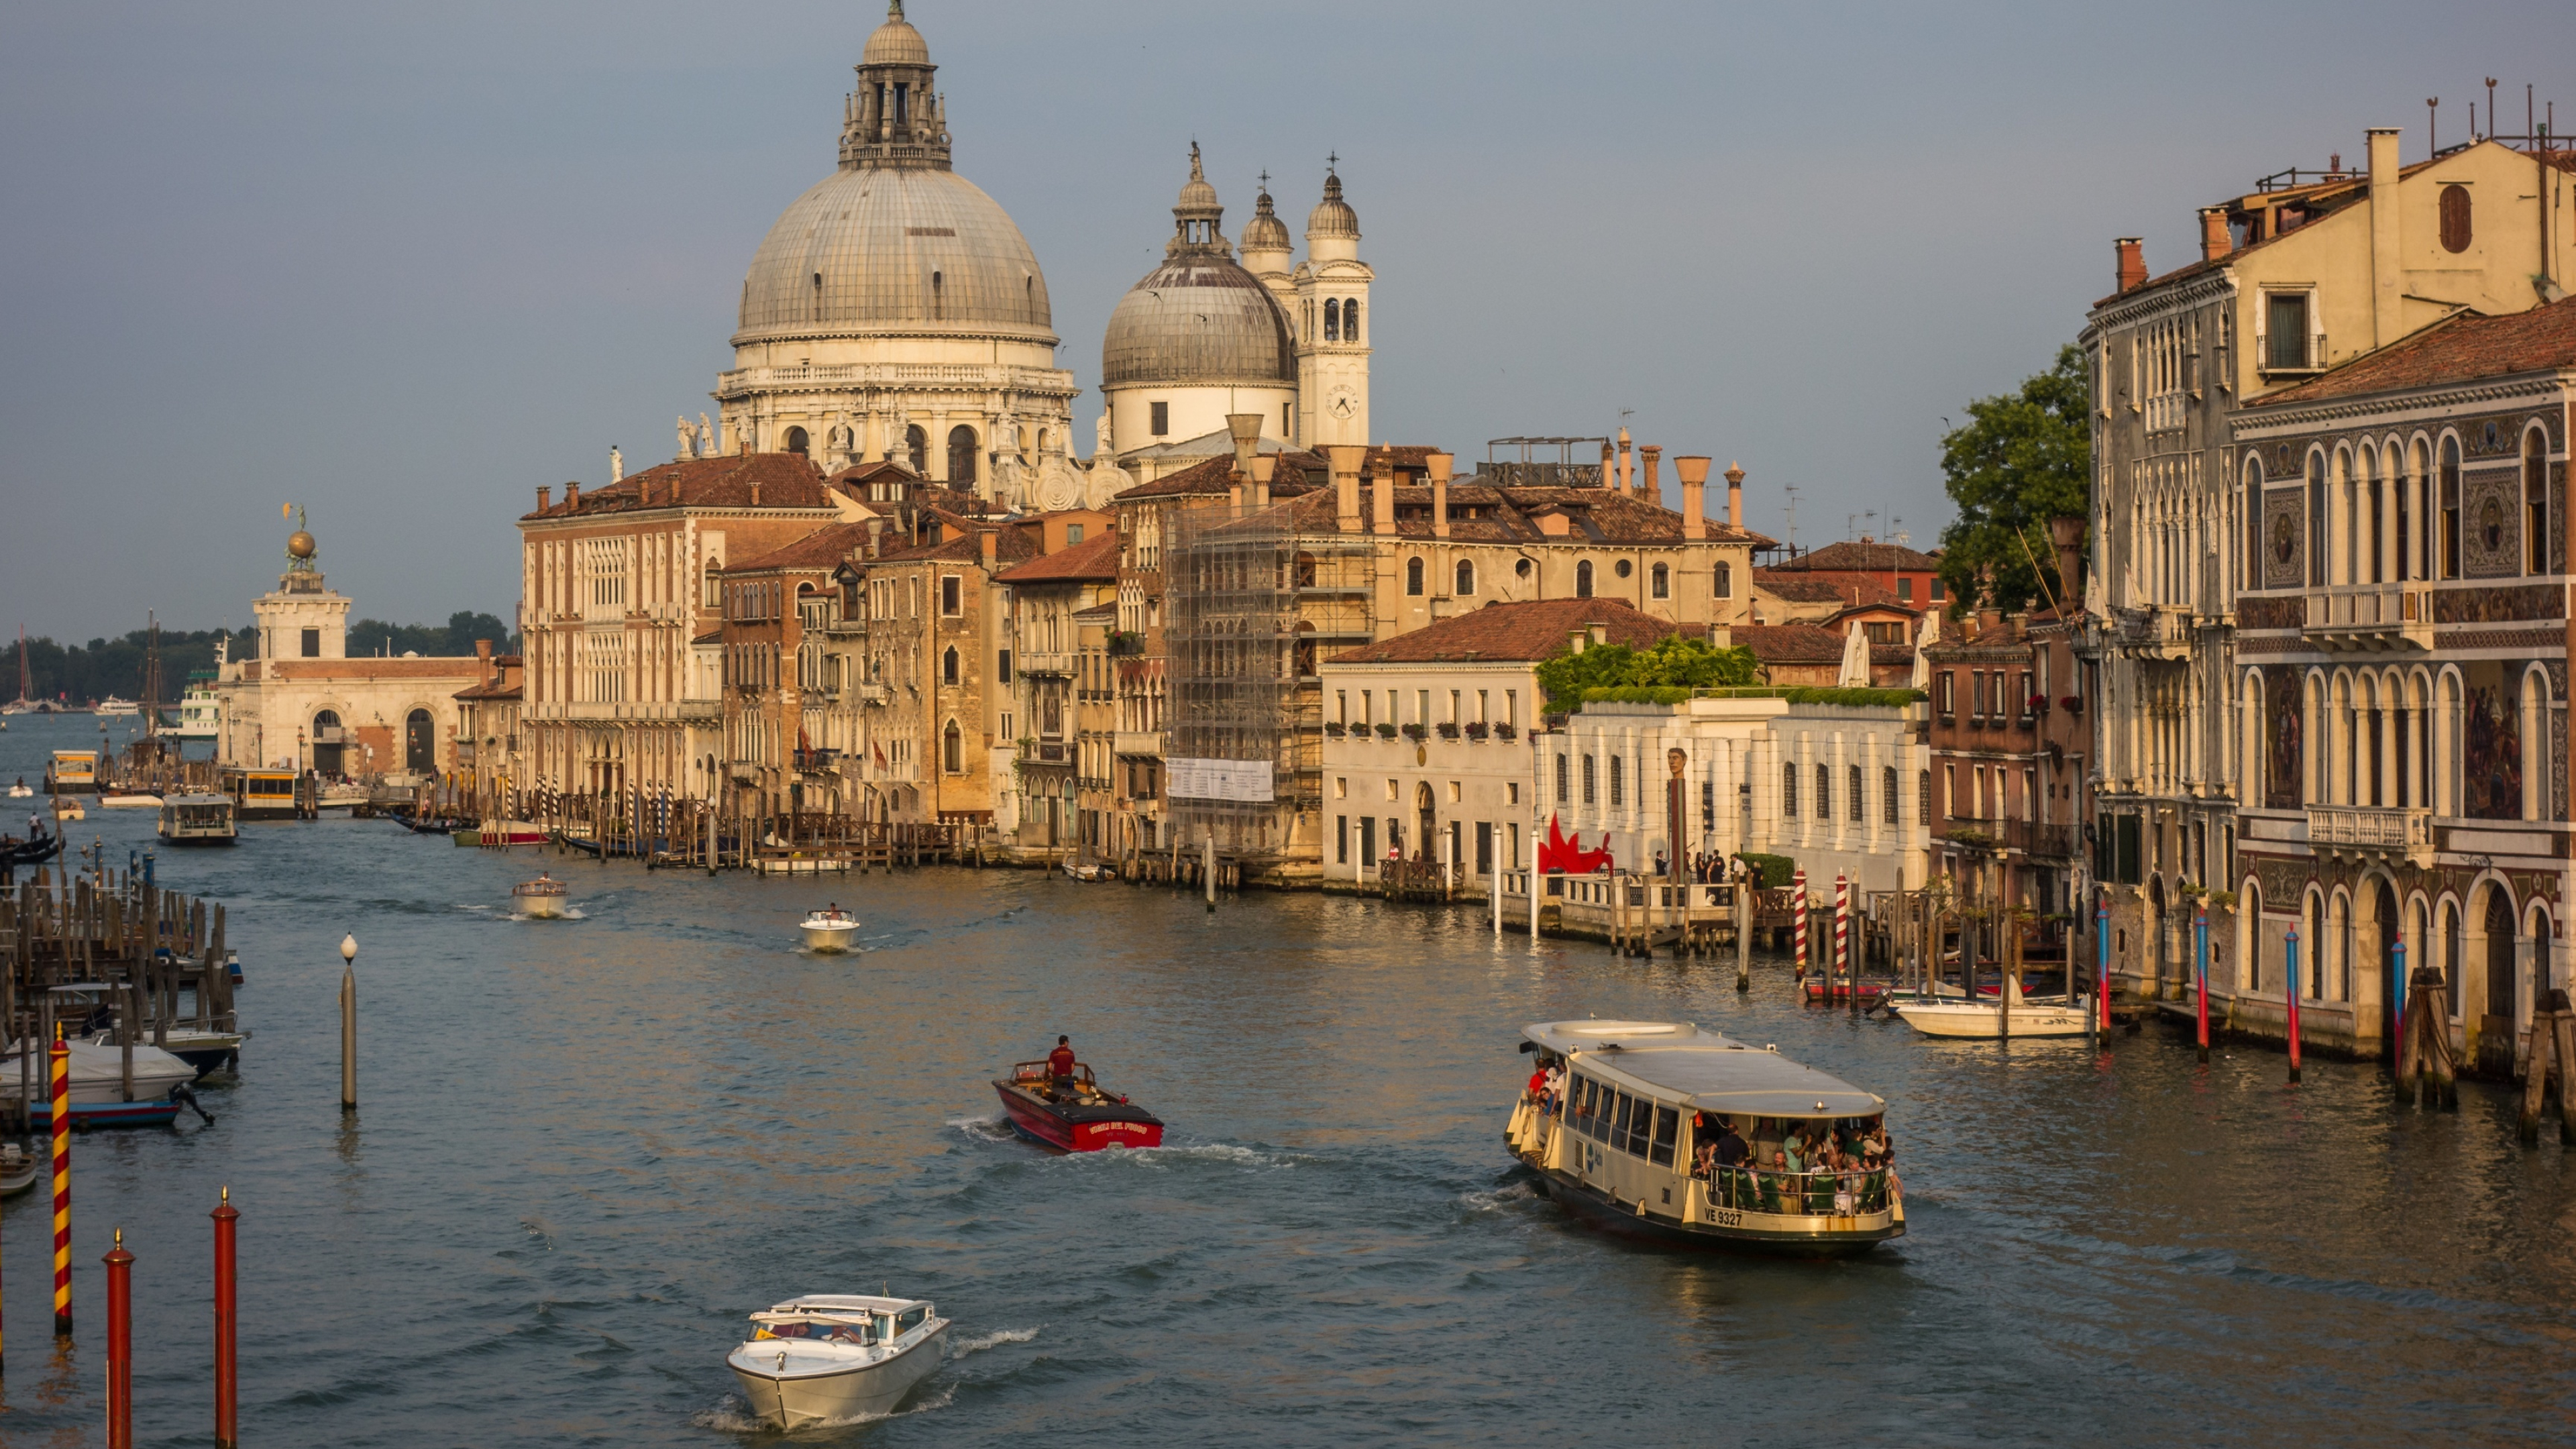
point(1842, 925)
point(1798, 890)
point(61, 1068)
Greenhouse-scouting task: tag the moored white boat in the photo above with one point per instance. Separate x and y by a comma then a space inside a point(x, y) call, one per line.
point(1984, 1019)
point(98, 1084)
point(541, 899)
point(17, 1169)
point(114, 706)
point(831, 1357)
point(22, 791)
point(67, 808)
point(830, 929)
point(129, 802)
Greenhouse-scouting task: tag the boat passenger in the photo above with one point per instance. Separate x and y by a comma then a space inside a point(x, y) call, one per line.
point(1554, 1101)
point(1538, 1087)
point(1060, 1064)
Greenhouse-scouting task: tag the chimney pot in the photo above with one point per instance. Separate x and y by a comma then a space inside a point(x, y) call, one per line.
point(1600, 632)
point(1246, 428)
point(483, 650)
point(1627, 462)
point(1440, 464)
point(1346, 459)
point(1609, 466)
point(1263, 470)
point(545, 498)
point(2215, 242)
point(1382, 498)
point(1651, 484)
point(1734, 494)
point(1693, 471)
point(2133, 262)
point(991, 541)
point(1576, 639)
point(572, 496)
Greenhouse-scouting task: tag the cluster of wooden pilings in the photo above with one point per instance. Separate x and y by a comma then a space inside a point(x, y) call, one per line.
point(156, 958)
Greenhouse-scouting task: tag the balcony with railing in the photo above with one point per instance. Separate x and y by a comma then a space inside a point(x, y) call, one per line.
point(870, 693)
point(2155, 631)
point(2370, 616)
point(1138, 742)
point(2376, 828)
point(1044, 661)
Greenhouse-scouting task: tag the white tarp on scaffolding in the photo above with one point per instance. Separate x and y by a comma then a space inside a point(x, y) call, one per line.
point(1247, 780)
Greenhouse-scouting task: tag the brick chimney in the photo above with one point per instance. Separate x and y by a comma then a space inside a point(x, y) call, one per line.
point(1627, 464)
point(2067, 533)
point(1609, 466)
point(2214, 239)
point(1693, 471)
point(545, 498)
point(572, 496)
point(1440, 464)
point(1346, 459)
point(990, 540)
point(755, 490)
point(483, 650)
point(2133, 262)
point(1263, 470)
point(876, 534)
point(1382, 498)
point(1651, 485)
point(1734, 494)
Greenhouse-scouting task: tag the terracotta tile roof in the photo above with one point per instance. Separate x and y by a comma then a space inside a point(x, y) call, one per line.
point(712, 636)
point(1093, 558)
point(1216, 475)
point(1016, 544)
point(785, 480)
point(1529, 631)
point(1596, 515)
point(501, 686)
point(1790, 643)
point(2463, 348)
point(815, 552)
point(859, 474)
point(1873, 557)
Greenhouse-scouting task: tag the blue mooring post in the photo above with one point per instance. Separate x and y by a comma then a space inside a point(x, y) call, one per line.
point(148, 873)
point(2397, 1004)
point(2291, 996)
point(2102, 968)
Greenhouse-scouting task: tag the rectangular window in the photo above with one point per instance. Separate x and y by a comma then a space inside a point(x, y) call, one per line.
point(1484, 847)
point(1341, 706)
point(1002, 671)
point(1725, 580)
point(1824, 792)
point(1950, 790)
point(1788, 792)
point(1905, 588)
point(1368, 838)
point(952, 596)
point(1615, 782)
point(1162, 418)
point(1887, 792)
point(1512, 708)
point(2285, 323)
point(1708, 804)
point(1561, 769)
point(1513, 793)
point(1668, 1128)
point(1853, 801)
point(1937, 592)
point(312, 644)
point(1949, 691)
point(1072, 534)
point(1341, 787)
point(1341, 840)
point(1588, 768)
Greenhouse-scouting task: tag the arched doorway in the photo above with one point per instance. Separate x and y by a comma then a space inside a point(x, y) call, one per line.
point(961, 456)
point(796, 441)
point(330, 746)
point(1425, 817)
point(2495, 1023)
point(420, 754)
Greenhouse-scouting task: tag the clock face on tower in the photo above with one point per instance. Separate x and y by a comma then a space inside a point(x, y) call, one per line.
point(1342, 403)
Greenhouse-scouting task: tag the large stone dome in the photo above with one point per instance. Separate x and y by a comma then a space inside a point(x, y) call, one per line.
point(878, 250)
point(1198, 320)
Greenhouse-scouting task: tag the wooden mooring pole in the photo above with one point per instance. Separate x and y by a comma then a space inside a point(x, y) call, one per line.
point(2553, 1052)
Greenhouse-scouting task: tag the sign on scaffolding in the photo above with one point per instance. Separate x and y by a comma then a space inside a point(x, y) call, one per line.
point(1245, 780)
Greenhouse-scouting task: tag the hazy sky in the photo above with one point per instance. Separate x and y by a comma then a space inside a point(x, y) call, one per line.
point(404, 263)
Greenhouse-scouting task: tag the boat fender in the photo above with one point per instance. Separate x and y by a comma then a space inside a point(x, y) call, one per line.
point(188, 1099)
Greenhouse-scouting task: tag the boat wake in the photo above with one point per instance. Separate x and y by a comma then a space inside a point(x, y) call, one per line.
point(732, 1415)
point(1168, 1156)
point(995, 1128)
point(1500, 1198)
point(571, 913)
point(965, 1346)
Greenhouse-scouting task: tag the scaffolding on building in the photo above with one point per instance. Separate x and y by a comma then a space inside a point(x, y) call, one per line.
point(1229, 647)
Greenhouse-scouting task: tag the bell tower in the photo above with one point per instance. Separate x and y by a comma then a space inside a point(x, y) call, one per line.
point(1334, 321)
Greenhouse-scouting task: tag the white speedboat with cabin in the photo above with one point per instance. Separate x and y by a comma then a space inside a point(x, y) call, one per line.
point(204, 1049)
point(1986, 1019)
point(830, 929)
point(1624, 1150)
point(830, 1357)
point(541, 899)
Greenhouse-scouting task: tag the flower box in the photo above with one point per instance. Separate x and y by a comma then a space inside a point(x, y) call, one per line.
point(1504, 732)
point(1448, 731)
point(1476, 731)
point(2073, 704)
point(1386, 731)
point(1415, 732)
point(1335, 728)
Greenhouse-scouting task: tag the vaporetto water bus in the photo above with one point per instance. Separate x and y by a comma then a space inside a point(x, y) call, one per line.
point(1623, 1148)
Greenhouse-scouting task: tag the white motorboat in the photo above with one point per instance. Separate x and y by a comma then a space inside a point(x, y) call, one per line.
point(17, 1169)
point(831, 1357)
point(115, 707)
point(129, 802)
point(830, 929)
point(21, 791)
point(98, 1083)
point(67, 808)
point(541, 899)
point(201, 714)
point(1983, 1019)
point(203, 1049)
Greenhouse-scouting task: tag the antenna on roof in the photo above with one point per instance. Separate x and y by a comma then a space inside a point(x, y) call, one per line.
point(2491, 110)
point(1791, 489)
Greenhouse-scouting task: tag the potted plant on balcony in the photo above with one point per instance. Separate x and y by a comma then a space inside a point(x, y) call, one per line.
point(1448, 731)
point(2072, 704)
point(1385, 731)
point(1504, 732)
point(1335, 728)
point(1476, 731)
point(2038, 705)
point(1415, 733)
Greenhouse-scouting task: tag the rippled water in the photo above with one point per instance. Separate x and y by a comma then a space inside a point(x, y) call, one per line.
point(587, 1148)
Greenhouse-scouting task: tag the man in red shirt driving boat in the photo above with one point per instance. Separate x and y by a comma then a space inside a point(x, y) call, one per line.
point(1060, 1063)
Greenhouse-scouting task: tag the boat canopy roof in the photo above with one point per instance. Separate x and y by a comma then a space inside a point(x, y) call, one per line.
point(837, 1305)
point(1676, 1060)
point(222, 800)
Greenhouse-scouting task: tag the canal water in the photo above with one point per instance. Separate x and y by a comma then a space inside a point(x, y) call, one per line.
point(587, 1148)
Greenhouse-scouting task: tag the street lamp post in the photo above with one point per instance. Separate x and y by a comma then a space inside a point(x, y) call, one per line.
point(348, 1023)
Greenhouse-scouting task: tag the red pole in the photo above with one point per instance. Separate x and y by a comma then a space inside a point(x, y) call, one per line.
point(227, 1384)
point(1798, 886)
point(61, 1100)
point(2292, 997)
point(120, 1345)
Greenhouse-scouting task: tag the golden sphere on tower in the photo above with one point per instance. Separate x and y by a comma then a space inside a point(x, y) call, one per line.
point(299, 545)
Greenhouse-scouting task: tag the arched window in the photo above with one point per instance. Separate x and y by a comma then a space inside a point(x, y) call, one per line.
point(2455, 218)
point(952, 749)
point(2449, 482)
point(715, 583)
point(1332, 319)
point(1466, 577)
point(1588, 766)
point(1726, 581)
point(1661, 585)
point(1852, 805)
point(2499, 919)
point(948, 666)
point(2253, 521)
point(2535, 500)
point(1413, 576)
point(796, 440)
point(916, 447)
point(1788, 792)
point(419, 750)
point(2252, 950)
point(1583, 579)
point(961, 455)
point(2316, 518)
point(2451, 962)
point(1350, 319)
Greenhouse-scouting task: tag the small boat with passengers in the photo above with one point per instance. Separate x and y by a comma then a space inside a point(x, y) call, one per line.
point(830, 1357)
point(1636, 1139)
point(1056, 1104)
point(830, 929)
point(541, 899)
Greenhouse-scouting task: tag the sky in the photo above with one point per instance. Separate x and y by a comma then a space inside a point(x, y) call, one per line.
point(403, 264)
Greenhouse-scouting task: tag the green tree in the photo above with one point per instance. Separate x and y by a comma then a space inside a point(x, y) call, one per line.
point(2021, 459)
point(1675, 659)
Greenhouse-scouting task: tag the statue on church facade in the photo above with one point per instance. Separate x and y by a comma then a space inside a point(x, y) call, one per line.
point(706, 437)
point(687, 437)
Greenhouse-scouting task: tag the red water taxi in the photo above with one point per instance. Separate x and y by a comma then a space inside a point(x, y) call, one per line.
point(1074, 1114)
